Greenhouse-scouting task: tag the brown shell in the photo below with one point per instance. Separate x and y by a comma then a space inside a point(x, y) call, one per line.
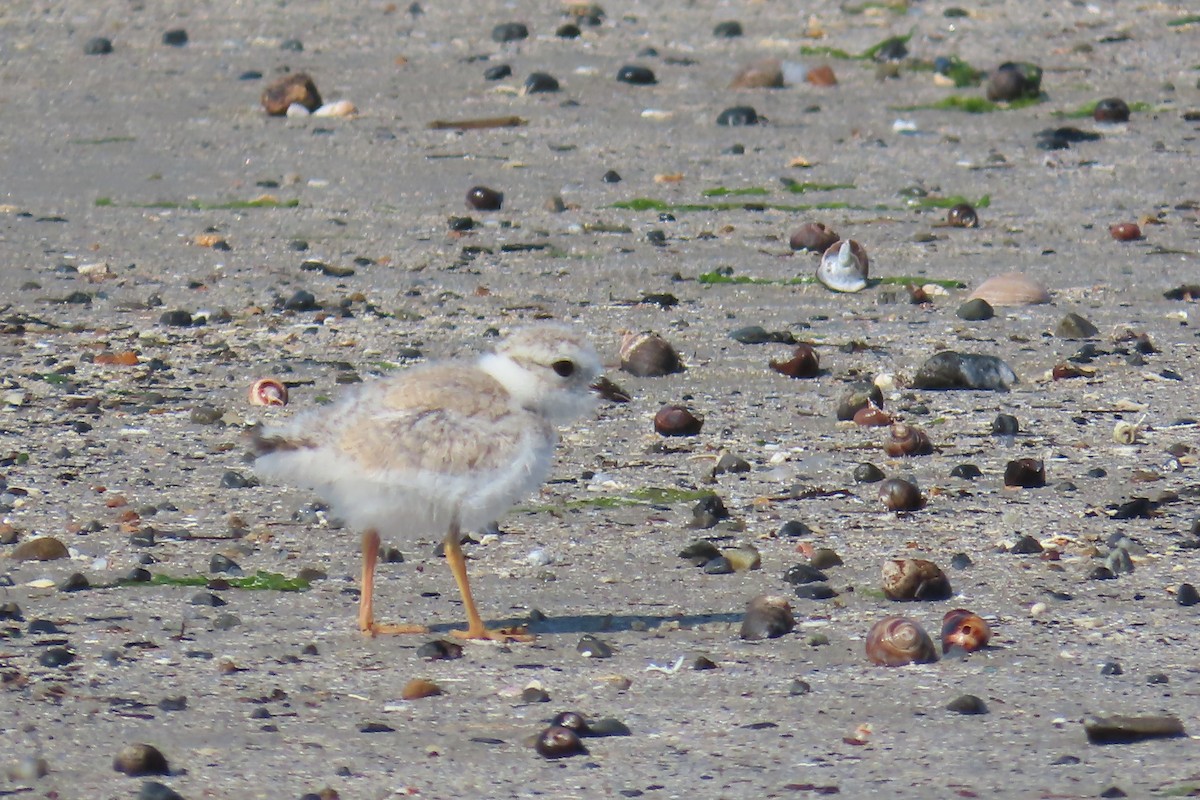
point(813, 236)
point(898, 494)
point(1125, 231)
point(872, 416)
point(1011, 289)
point(676, 420)
point(804, 363)
point(896, 641)
point(648, 355)
point(914, 579)
point(907, 440)
point(962, 215)
point(964, 629)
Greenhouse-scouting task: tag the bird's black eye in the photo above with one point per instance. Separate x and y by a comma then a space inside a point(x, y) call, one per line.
point(564, 368)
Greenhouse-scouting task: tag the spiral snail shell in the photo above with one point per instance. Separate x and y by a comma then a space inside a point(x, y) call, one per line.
point(964, 629)
point(907, 440)
point(648, 355)
point(898, 494)
point(896, 641)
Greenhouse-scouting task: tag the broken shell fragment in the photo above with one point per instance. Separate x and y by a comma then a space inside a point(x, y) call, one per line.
point(268, 392)
point(767, 617)
point(844, 267)
point(914, 579)
point(1011, 289)
point(897, 641)
point(804, 363)
point(964, 630)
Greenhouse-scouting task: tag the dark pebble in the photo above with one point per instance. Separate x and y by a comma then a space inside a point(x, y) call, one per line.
point(221, 563)
point(1113, 791)
point(510, 32)
point(440, 650)
point(730, 29)
point(794, 528)
point(857, 397)
point(1111, 109)
point(968, 472)
point(976, 310)
point(39, 626)
point(815, 591)
point(1073, 326)
point(497, 73)
point(1006, 425)
point(176, 319)
point(153, 790)
point(638, 76)
point(738, 115)
point(700, 552)
point(1186, 595)
point(967, 704)
point(824, 558)
point(568, 31)
point(226, 622)
point(708, 511)
point(97, 46)
point(798, 687)
point(718, 566)
point(55, 657)
point(376, 727)
point(951, 370)
point(74, 582)
point(734, 150)
point(178, 703)
point(960, 561)
point(1026, 546)
point(608, 726)
point(1111, 668)
point(138, 575)
point(539, 82)
point(1014, 81)
point(893, 49)
point(1158, 678)
point(250, 75)
point(757, 334)
point(866, 472)
point(206, 599)
point(140, 759)
point(1101, 574)
point(460, 224)
point(702, 663)
point(176, 37)
point(235, 480)
point(301, 300)
point(591, 647)
point(612, 176)
point(767, 617)
point(482, 198)
point(292, 45)
point(1120, 729)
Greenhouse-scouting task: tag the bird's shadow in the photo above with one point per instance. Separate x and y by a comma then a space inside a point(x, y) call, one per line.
point(603, 623)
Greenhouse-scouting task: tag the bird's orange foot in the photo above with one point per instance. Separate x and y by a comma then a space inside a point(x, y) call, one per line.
point(514, 634)
point(389, 629)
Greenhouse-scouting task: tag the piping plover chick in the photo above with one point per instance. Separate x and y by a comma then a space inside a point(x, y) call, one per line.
point(438, 449)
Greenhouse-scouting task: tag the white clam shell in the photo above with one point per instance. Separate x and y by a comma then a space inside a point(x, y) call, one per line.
point(1011, 289)
point(844, 267)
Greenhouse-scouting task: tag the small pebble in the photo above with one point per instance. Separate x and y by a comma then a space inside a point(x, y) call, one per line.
point(968, 472)
point(1073, 326)
point(866, 472)
point(97, 46)
point(207, 599)
point(534, 694)
point(222, 563)
point(176, 37)
point(568, 31)
point(55, 657)
point(1025, 473)
point(799, 687)
point(960, 561)
point(1186, 595)
point(483, 198)
point(708, 511)
point(74, 582)
point(951, 370)
point(767, 617)
point(607, 726)
point(730, 29)
point(731, 464)
point(967, 704)
point(440, 650)
point(42, 548)
point(815, 591)
point(975, 310)
point(140, 759)
point(539, 82)
point(1026, 546)
point(1121, 729)
point(1006, 425)
point(510, 32)
point(803, 573)
point(1111, 109)
point(153, 790)
point(497, 73)
point(718, 566)
point(419, 688)
point(638, 76)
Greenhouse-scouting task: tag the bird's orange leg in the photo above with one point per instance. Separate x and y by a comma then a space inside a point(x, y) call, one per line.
point(366, 597)
point(475, 627)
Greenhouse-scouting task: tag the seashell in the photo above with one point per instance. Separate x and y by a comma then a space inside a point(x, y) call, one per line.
point(1015, 81)
point(857, 397)
point(268, 392)
point(907, 440)
point(767, 616)
point(962, 215)
point(676, 420)
point(418, 688)
point(914, 579)
point(295, 89)
point(648, 355)
point(40, 548)
point(559, 742)
point(804, 363)
point(844, 267)
point(964, 630)
point(1125, 231)
point(1026, 473)
point(1011, 289)
point(338, 108)
point(897, 641)
point(866, 472)
point(1126, 432)
point(821, 76)
point(813, 236)
point(481, 198)
point(140, 759)
point(900, 495)
point(872, 416)
point(571, 720)
point(766, 73)
point(1006, 425)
